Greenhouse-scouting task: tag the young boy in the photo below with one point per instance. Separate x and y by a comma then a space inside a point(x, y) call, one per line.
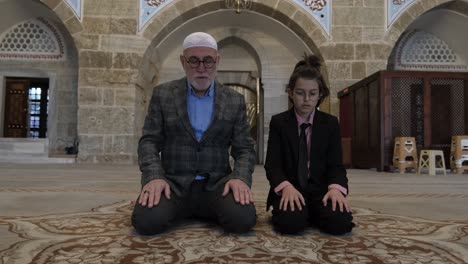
point(308, 183)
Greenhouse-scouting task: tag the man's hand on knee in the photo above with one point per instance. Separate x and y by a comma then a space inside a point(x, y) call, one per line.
point(151, 193)
point(241, 192)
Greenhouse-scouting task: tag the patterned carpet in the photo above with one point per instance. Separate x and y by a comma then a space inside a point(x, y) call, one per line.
point(105, 235)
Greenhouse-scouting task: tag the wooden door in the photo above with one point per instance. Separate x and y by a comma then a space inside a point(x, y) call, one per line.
point(441, 115)
point(16, 108)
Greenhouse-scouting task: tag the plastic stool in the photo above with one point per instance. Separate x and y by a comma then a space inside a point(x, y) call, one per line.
point(459, 153)
point(405, 154)
point(428, 159)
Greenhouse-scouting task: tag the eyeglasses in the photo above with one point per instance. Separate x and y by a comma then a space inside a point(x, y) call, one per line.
point(194, 62)
point(312, 95)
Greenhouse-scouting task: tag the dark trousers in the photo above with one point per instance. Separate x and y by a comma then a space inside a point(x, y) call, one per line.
point(312, 214)
point(205, 205)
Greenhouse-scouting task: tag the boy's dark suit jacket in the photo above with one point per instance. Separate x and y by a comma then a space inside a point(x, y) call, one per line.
point(169, 149)
point(326, 163)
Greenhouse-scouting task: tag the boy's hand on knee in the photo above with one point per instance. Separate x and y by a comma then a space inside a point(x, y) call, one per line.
point(336, 197)
point(291, 196)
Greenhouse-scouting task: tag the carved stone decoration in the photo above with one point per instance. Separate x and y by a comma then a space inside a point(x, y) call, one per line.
point(34, 39)
point(421, 51)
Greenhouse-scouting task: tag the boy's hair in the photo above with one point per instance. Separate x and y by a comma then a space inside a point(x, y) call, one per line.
point(309, 69)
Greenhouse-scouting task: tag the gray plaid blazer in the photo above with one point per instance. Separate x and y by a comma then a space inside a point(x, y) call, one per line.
point(169, 150)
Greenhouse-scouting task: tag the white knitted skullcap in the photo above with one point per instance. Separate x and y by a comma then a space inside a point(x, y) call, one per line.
point(199, 39)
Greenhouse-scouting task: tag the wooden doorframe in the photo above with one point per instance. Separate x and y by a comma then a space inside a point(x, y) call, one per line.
point(2, 103)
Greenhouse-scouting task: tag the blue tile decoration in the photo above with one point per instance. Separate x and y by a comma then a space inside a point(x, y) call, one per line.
point(395, 8)
point(148, 8)
point(77, 8)
point(320, 11)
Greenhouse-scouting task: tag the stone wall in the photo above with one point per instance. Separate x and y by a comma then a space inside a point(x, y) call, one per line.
point(118, 65)
point(109, 55)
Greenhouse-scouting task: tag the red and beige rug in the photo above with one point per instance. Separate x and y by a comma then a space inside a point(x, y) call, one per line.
point(104, 235)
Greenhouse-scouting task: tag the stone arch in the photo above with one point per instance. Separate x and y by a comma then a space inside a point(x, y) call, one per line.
point(419, 50)
point(251, 44)
point(284, 12)
point(166, 26)
point(244, 44)
point(451, 15)
point(62, 73)
point(65, 14)
point(244, 78)
point(407, 17)
point(182, 12)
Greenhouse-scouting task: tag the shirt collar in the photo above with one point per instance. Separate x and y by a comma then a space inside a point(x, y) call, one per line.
point(301, 120)
point(208, 92)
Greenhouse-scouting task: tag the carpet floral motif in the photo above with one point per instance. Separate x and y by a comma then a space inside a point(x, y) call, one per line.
point(105, 235)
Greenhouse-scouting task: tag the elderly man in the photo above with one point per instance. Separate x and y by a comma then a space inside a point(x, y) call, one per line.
point(184, 150)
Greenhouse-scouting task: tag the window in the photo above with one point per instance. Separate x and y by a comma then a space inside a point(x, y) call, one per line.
point(38, 105)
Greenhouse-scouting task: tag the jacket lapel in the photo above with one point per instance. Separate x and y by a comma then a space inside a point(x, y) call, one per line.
point(317, 134)
point(219, 105)
point(180, 95)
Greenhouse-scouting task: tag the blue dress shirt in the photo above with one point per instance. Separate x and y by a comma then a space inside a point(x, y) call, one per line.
point(200, 112)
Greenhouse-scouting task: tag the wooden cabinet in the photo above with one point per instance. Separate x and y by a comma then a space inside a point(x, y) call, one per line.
point(429, 106)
